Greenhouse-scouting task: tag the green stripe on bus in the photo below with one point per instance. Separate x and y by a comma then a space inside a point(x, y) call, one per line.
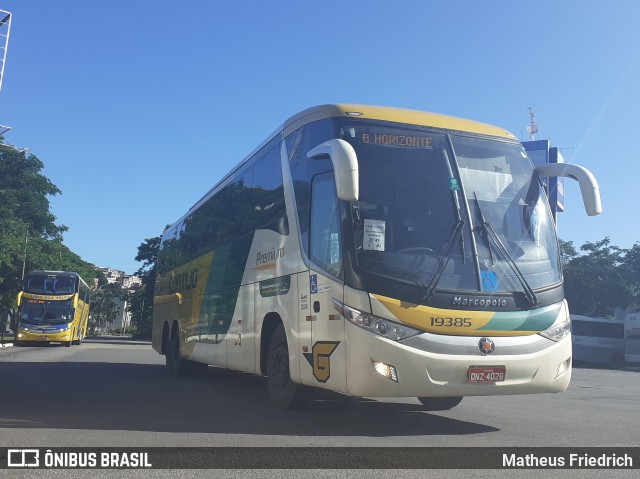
point(536, 320)
point(223, 285)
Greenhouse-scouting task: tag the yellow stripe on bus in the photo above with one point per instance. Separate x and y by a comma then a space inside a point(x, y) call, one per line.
point(444, 321)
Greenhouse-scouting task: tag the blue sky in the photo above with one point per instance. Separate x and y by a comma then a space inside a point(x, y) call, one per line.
point(138, 107)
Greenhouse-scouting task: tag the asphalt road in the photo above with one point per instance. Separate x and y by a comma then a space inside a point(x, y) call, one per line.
point(112, 393)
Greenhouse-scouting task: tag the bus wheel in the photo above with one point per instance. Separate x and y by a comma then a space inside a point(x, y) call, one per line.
point(67, 344)
point(166, 347)
point(178, 365)
point(174, 354)
point(617, 361)
point(167, 358)
point(439, 404)
point(283, 392)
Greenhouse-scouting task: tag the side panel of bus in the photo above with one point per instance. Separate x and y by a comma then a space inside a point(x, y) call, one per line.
point(632, 338)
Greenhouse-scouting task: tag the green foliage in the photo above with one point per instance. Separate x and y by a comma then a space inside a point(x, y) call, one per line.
point(141, 301)
point(601, 279)
point(24, 192)
point(29, 237)
point(104, 306)
point(632, 272)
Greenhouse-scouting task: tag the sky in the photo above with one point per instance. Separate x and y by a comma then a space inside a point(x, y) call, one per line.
point(138, 107)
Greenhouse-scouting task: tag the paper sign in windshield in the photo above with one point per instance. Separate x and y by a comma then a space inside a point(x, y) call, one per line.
point(373, 235)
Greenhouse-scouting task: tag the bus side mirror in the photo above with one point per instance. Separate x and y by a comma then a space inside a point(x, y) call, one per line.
point(588, 183)
point(345, 166)
point(19, 300)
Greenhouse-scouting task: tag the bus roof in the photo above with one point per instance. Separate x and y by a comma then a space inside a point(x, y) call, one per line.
point(384, 113)
point(60, 274)
point(579, 317)
point(40, 272)
point(396, 115)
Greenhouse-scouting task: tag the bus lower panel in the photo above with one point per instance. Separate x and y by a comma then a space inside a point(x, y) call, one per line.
point(420, 373)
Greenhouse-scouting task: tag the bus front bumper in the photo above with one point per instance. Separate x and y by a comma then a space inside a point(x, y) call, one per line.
point(422, 373)
point(43, 337)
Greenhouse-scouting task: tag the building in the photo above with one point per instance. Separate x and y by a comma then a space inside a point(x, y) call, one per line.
point(112, 275)
point(126, 281)
point(131, 282)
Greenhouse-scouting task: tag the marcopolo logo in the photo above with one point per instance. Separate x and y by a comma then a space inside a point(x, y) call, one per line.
point(486, 346)
point(479, 302)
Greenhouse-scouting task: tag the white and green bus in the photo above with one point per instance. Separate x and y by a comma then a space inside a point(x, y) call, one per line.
point(598, 341)
point(374, 252)
point(632, 338)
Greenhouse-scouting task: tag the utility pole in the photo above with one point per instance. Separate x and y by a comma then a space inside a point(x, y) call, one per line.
point(532, 129)
point(5, 25)
point(5, 30)
point(24, 259)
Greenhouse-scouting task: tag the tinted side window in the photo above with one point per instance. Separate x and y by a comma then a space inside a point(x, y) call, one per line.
point(253, 200)
point(326, 238)
point(303, 169)
point(265, 199)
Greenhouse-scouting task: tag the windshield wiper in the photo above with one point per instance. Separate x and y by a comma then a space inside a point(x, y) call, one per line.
point(429, 288)
point(444, 259)
point(489, 232)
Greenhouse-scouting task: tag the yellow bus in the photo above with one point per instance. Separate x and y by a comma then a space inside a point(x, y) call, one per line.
point(373, 252)
point(52, 308)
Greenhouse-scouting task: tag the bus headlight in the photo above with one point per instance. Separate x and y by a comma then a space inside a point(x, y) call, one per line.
point(375, 324)
point(557, 331)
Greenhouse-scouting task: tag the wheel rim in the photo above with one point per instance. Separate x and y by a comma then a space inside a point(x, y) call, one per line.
point(280, 366)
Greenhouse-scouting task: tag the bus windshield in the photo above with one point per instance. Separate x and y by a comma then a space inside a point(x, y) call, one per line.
point(450, 212)
point(46, 312)
point(50, 284)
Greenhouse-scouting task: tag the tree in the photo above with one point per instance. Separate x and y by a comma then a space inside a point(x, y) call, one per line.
point(24, 191)
point(29, 237)
point(24, 215)
point(632, 272)
point(595, 282)
point(141, 302)
point(567, 251)
point(104, 306)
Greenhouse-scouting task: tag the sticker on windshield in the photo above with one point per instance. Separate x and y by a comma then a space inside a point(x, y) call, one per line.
point(373, 239)
point(489, 281)
point(453, 184)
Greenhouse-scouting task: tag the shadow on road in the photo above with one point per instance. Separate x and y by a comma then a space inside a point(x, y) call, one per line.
point(143, 397)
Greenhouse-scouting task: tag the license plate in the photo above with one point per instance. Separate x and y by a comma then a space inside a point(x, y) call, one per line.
point(486, 374)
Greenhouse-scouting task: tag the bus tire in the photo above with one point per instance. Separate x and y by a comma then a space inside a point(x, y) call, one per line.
point(616, 361)
point(283, 393)
point(178, 365)
point(439, 403)
point(67, 344)
point(174, 354)
point(166, 347)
